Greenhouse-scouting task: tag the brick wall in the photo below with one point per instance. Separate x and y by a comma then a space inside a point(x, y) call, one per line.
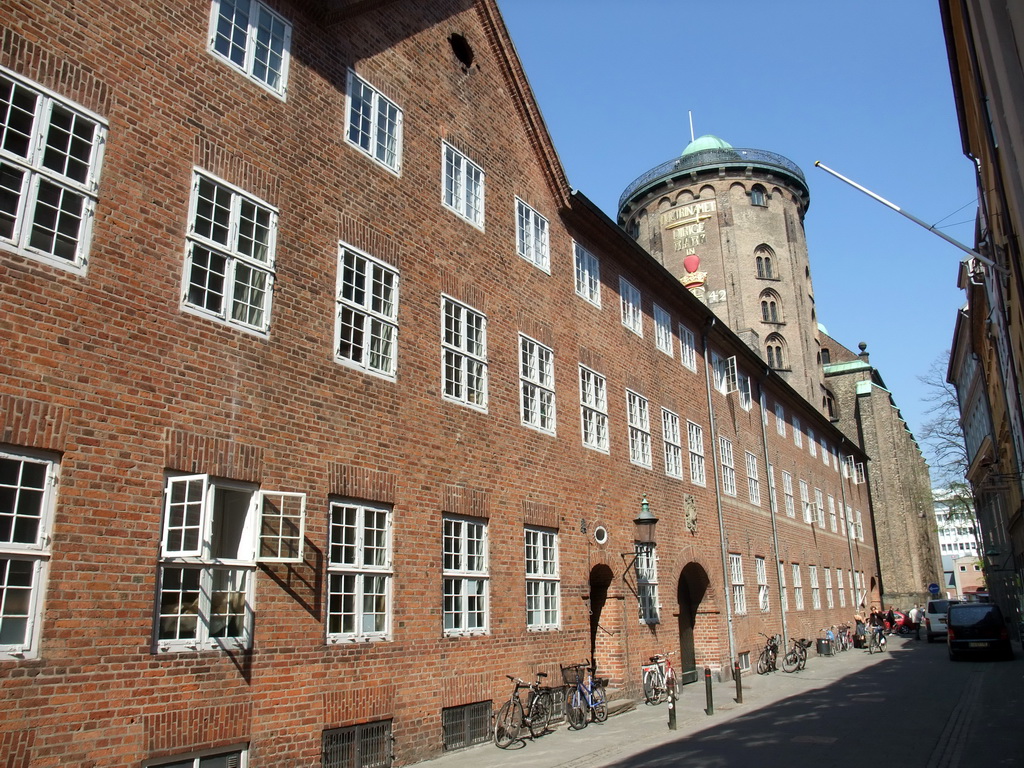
point(105, 370)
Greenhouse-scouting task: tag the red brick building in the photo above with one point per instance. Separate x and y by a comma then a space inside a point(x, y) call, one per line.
point(324, 403)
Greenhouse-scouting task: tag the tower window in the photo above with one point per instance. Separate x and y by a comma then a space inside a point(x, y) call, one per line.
point(758, 197)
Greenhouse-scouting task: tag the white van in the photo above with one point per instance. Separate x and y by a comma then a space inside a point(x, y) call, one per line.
point(935, 618)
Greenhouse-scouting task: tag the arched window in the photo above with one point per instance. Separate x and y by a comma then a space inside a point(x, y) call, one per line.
point(826, 356)
point(763, 258)
point(771, 307)
point(758, 196)
point(774, 352)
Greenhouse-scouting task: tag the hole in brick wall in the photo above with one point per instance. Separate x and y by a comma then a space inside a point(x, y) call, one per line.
point(462, 49)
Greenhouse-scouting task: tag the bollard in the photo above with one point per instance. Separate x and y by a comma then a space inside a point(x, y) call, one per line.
point(672, 704)
point(707, 691)
point(739, 681)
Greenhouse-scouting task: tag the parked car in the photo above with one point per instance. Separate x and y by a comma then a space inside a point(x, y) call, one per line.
point(935, 618)
point(977, 628)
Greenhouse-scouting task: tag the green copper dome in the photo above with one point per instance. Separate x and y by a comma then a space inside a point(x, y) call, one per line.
point(707, 141)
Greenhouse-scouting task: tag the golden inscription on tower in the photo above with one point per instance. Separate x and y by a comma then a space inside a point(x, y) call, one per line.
point(687, 224)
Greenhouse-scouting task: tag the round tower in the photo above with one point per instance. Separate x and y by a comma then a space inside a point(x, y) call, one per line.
point(728, 223)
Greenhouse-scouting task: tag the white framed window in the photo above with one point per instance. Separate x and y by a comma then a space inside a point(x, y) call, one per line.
point(858, 473)
point(366, 320)
point(805, 500)
point(780, 419)
point(588, 274)
point(832, 521)
point(861, 592)
point(695, 445)
point(594, 409)
point(787, 492)
point(812, 444)
point(532, 236)
point(687, 348)
point(859, 525)
point(673, 443)
point(798, 588)
point(210, 758)
point(229, 264)
point(728, 466)
point(724, 371)
point(214, 533)
point(543, 586)
point(815, 590)
point(537, 385)
point(798, 438)
point(27, 482)
point(639, 418)
point(465, 575)
point(739, 594)
point(829, 598)
point(252, 39)
point(743, 386)
point(373, 123)
point(763, 602)
point(819, 507)
point(784, 597)
point(753, 482)
point(840, 589)
point(51, 151)
point(464, 354)
point(629, 303)
point(847, 466)
point(359, 572)
point(462, 185)
point(824, 452)
point(645, 566)
point(663, 331)
point(774, 503)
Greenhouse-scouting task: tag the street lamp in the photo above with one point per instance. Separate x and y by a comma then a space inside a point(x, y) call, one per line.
point(644, 524)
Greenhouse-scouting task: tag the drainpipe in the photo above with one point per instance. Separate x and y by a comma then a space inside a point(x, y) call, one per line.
point(726, 584)
point(773, 507)
point(849, 539)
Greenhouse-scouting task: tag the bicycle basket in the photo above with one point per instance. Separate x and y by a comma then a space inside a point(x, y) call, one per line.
point(601, 682)
point(804, 642)
point(574, 674)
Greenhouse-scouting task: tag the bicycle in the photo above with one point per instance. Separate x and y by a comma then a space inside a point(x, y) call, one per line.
point(586, 700)
point(768, 660)
point(877, 640)
point(844, 638)
point(796, 658)
point(659, 679)
point(512, 716)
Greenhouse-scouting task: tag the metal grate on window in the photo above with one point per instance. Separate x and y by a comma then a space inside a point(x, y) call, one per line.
point(359, 746)
point(466, 725)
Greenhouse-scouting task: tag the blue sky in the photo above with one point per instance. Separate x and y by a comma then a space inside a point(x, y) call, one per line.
point(862, 87)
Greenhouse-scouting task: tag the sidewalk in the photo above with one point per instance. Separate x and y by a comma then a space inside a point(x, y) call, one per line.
point(636, 729)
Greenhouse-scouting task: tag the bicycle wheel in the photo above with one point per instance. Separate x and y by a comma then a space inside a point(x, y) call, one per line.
point(508, 723)
point(540, 713)
point(790, 662)
point(575, 710)
point(599, 704)
point(648, 687)
point(873, 644)
point(803, 658)
point(764, 662)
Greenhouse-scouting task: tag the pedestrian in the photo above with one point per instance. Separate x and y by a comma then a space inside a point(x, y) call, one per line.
point(858, 621)
point(915, 620)
point(890, 618)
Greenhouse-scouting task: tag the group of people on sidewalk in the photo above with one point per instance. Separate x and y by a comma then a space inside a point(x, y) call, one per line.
point(882, 621)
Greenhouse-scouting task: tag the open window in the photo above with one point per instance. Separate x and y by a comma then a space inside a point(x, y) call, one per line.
point(214, 533)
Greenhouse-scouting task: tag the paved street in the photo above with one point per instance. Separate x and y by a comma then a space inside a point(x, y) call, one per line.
point(908, 707)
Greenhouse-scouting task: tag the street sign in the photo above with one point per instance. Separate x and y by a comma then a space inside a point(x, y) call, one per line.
point(933, 588)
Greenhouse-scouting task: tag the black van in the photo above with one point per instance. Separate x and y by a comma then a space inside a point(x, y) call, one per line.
point(977, 628)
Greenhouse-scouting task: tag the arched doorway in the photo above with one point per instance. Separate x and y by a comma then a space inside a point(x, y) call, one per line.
point(600, 580)
point(693, 585)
